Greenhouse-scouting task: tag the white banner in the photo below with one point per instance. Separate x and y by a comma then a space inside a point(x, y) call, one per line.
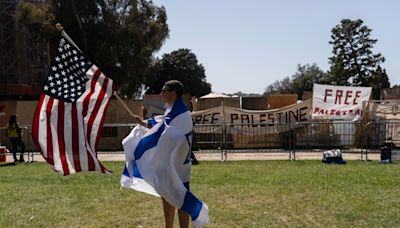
point(339, 102)
point(386, 115)
point(384, 110)
point(286, 116)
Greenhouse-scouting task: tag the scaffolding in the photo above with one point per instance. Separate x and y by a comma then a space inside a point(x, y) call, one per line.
point(7, 40)
point(23, 60)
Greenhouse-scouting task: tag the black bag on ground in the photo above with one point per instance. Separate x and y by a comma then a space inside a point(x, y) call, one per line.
point(333, 156)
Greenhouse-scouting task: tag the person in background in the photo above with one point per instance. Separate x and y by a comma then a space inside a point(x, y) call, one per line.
point(13, 132)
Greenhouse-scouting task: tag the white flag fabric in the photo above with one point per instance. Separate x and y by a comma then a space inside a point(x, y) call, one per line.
point(339, 102)
point(158, 162)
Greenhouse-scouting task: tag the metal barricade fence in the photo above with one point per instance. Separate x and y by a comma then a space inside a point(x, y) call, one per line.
point(110, 142)
point(26, 136)
point(112, 136)
point(321, 136)
point(239, 138)
point(273, 137)
point(378, 133)
point(361, 138)
point(209, 138)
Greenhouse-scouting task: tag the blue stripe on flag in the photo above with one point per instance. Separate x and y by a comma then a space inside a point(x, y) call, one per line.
point(136, 172)
point(186, 184)
point(192, 205)
point(178, 108)
point(126, 172)
point(152, 122)
point(148, 142)
point(151, 141)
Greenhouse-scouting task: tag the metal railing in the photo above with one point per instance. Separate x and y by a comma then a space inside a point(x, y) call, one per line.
point(359, 138)
point(26, 136)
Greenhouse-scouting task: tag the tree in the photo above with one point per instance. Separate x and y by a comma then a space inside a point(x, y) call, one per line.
point(39, 20)
point(379, 80)
point(180, 65)
point(306, 76)
point(242, 94)
point(280, 87)
point(300, 81)
point(120, 36)
point(353, 62)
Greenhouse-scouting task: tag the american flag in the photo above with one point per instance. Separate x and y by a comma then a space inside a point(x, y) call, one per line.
point(70, 113)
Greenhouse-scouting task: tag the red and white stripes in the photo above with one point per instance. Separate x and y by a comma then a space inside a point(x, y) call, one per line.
point(67, 133)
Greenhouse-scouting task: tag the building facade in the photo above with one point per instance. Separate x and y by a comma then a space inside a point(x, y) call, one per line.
point(23, 60)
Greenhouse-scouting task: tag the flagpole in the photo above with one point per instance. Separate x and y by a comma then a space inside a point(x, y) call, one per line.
point(123, 104)
point(136, 118)
point(65, 35)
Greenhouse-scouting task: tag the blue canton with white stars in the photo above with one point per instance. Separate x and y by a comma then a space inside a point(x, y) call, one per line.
point(67, 76)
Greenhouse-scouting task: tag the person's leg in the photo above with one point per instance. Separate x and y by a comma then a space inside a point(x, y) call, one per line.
point(193, 157)
point(22, 145)
point(183, 219)
point(14, 148)
point(169, 213)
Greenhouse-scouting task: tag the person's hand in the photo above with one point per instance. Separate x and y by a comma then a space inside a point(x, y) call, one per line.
point(138, 120)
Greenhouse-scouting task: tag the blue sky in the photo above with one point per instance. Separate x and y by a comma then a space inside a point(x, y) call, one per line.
point(248, 45)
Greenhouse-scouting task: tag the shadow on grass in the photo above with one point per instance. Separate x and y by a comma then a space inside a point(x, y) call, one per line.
point(8, 164)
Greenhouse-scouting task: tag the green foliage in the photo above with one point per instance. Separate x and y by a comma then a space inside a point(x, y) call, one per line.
point(280, 87)
point(118, 36)
point(306, 76)
point(379, 80)
point(242, 94)
point(353, 62)
point(181, 65)
point(301, 81)
point(38, 19)
point(239, 194)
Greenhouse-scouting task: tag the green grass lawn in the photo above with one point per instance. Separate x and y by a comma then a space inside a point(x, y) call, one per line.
point(239, 194)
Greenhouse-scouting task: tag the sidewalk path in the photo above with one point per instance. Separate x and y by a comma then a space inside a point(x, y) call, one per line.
point(216, 156)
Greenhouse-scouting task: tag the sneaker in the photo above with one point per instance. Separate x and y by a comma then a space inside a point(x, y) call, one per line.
point(195, 162)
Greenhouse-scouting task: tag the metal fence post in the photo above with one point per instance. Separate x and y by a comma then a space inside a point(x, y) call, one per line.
point(224, 156)
point(290, 142)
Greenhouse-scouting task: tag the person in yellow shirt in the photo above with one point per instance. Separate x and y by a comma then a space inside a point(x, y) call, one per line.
point(13, 132)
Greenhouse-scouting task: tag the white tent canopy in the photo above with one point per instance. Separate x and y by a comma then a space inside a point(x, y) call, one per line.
point(214, 95)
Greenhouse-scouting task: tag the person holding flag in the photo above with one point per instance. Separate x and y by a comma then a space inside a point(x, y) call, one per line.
point(158, 159)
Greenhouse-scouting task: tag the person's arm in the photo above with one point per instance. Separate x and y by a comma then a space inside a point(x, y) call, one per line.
point(18, 129)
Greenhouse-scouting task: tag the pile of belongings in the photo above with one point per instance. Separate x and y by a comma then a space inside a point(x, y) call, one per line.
point(333, 156)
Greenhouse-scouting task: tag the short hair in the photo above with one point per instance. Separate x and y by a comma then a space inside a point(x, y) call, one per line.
point(13, 117)
point(174, 85)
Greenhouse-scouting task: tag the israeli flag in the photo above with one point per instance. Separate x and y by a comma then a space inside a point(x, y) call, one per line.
point(158, 161)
